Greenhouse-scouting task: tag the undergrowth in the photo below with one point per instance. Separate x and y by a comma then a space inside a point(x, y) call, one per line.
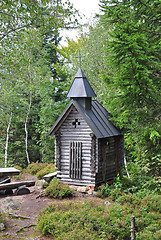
point(34, 168)
point(90, 220)
point(21, 175)
point(125, 185)
point(58, 190)
point(50, 168)
point(40, 169)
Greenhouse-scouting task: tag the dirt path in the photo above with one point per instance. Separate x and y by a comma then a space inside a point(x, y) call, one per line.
point(21, 223)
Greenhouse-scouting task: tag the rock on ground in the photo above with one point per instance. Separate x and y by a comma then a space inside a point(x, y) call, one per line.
point(2, 226)
point(9, 204)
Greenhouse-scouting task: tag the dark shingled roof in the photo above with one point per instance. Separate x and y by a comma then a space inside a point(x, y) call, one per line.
point(97, 118)
point(80, 87)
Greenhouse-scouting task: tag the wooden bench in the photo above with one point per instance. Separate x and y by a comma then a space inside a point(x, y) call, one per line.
point(11, 171)
point(7, 187)
point(5, 180)
point(50, 176)
point(21, 187)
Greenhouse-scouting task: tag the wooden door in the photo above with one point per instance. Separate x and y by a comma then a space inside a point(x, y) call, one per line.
point(75, 170)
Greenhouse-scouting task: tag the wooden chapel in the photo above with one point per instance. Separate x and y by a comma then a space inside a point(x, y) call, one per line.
point(89, 149)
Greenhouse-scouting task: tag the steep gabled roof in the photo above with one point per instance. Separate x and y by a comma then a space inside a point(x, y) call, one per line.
point(80, 87)
point(97, 118)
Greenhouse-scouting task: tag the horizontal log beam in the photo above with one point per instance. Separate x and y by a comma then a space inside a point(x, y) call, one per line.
point(15, 185)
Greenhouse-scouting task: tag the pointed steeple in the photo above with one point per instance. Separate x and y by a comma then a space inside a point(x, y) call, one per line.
point(80, 87)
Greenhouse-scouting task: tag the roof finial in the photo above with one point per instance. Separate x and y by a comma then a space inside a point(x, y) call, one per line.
point(80, 56)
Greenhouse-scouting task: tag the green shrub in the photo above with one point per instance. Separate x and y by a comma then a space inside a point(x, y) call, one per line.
point(104, 190)
point(45, 170)
point(33, 168)
point(151, 202)
point(115, 194)
point(45, 184)
point(18, 167)
point(108, 191)
point(94, 220)
point(87, 220)
point(21, 175)
point(58, 190)
point(118, 187)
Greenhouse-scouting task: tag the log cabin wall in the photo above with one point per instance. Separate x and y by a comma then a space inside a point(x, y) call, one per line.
point(74, 144)
point(121, 152)
point(110, 158)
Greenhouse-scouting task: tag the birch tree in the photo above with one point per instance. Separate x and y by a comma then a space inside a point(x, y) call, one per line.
point(7, 140)
point(26, 27)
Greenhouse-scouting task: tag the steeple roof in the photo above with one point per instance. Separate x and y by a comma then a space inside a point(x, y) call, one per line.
point(97, 118)
point(80, 87)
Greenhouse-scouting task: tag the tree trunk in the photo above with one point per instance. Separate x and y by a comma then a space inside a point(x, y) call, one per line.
point(133, 236)
point(26, 132)
point(126, 167)
point(43, 150)
point(7, 140)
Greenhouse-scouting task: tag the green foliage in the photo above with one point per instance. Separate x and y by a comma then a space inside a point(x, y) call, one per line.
point(86, 220)
point(34, 168)
point(139, 183)
point(117, 188)
point(21, 175)
point(143, 175)
point(134, 96)
point(58, 190)
point(17, 15)
point(32, 90)
point(92, 46)
point(45, 184)
point(18, 167)
point(93, 220)
point(49, 168)
point(104, 190)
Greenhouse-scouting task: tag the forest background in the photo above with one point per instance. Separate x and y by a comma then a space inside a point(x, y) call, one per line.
point(123, 65)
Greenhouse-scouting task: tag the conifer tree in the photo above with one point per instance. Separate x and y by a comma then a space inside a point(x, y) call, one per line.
point(134, 46)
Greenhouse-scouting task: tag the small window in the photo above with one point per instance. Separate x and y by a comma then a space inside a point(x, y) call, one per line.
point(76, 122)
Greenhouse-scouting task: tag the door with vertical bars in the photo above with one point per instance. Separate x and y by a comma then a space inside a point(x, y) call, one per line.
point(75, 170)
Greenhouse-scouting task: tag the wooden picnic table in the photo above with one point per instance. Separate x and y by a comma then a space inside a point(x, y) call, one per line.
point(11, 171)
point(7, 186)
point(14, 185)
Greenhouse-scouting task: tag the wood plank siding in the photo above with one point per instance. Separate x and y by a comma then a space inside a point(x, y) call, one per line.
point(74, 163)
point(83, 159)
point(110, 154)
